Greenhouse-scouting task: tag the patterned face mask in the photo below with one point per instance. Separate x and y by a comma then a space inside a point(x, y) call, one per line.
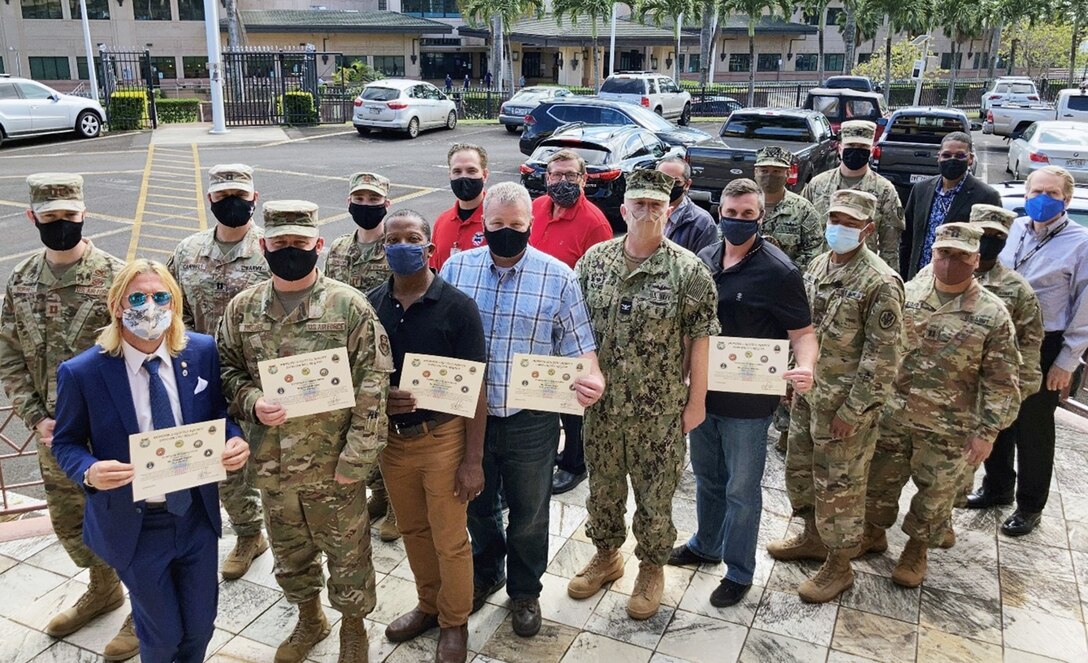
point(149, 321)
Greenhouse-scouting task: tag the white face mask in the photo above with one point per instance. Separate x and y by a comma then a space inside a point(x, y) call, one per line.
point(149, 321)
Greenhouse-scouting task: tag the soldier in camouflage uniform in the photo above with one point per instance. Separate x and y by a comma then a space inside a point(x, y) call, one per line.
point(211, 267)
point(53, 308)
point(652, 306)
point(310, 469)
point(854, 173)
point(358, 259)
point(857, 309)
point(955, 389)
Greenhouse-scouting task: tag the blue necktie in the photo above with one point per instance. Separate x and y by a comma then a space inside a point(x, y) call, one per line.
point(162, 416)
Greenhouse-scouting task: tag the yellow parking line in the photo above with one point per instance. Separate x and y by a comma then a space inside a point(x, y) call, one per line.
point(84, 174)
point(167, 225)
point(170, 188)
point(160, 251)
point(202, 215)
point(333, 177)
point(158, 204)
point(141, 202)
point(20, 256)
point(163, 195)
point(161, 237)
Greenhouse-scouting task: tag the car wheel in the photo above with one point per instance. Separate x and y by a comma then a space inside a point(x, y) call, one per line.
point(685, 116)
point(363, 130)
point(451, 120)
point(511, 128)
point(659, 111)
point(88, 124)
point(413, 127)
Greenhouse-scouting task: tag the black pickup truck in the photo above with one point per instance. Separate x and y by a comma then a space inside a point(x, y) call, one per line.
point(906, 152)
point(716, 162)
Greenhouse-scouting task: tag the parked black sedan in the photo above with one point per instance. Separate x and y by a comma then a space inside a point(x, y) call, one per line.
point(610, 152)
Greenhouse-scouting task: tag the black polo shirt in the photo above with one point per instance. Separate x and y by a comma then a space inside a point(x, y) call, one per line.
point(762, 296)
point(443, 322)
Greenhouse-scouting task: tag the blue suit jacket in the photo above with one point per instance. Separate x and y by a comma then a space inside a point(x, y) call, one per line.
point(95, 416)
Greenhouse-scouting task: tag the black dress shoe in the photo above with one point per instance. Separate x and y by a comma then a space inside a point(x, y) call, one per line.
point(526, 617)
point(562, 481)
point(480, 594)
point(728, 593)
point(683, 556)
point(1021, 523)
point(984, 498)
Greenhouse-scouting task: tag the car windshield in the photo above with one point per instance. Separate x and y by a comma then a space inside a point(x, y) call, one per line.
point(1069, 137)
point(374, 93)
point(594, 155)
point(624, 86)
point(777, 127)
point(923, 128)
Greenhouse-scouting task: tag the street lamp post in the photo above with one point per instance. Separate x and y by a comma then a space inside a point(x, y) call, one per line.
point(92, 76)
point(918, 41)
point(215, 66)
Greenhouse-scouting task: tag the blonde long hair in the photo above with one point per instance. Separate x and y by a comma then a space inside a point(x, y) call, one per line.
point(110, 336)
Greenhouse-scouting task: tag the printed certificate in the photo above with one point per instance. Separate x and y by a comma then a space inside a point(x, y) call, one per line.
point(309, 383)
point(748, 365)
point(443, 384)
point(177, 458)
point(542, 382)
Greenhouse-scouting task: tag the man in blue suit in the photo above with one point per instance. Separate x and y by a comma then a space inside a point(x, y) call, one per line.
point(147, 373)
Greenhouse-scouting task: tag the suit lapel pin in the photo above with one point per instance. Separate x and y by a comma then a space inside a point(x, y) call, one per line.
point(184, 369)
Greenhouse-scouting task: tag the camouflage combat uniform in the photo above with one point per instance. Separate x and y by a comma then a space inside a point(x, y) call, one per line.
point(307, 511)
point(362, 268)
point(640, 320)
point(795, 227)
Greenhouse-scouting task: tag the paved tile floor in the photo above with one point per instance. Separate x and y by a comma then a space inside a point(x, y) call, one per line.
point(988, 599)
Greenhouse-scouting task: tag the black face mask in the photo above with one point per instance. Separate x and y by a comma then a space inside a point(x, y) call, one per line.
point(467, 188)
point(990, 246)
point(676, 193)
point(506, 242)
point(855, 157)
point(233, 211)
point(291, 263)
point(952, 169)
point(60, 235)
point(366, 217)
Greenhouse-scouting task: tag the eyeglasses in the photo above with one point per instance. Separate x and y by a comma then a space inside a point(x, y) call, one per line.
point(958, 156)
point(161, 298)
point(570, 177)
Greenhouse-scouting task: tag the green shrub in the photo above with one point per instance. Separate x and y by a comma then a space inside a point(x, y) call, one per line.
point(173, 111)
point(128, 110)
point(297, 107)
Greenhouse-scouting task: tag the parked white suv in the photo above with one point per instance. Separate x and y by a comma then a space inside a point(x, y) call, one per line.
point(1009, 89)
point(654, 91)
point(28, 108)
point(401, 104)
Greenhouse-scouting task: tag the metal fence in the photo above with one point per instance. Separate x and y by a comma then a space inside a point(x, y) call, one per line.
point(122, 77)
point(16, 449)
point(269, 87)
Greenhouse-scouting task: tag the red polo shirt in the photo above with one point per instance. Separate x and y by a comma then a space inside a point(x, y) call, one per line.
point(570, 234)
point(450, 234)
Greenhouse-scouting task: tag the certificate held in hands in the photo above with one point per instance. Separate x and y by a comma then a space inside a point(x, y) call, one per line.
point(748, 365)
point(443, 384)
point(177, 458)
point(309, 383)
point(546, 383)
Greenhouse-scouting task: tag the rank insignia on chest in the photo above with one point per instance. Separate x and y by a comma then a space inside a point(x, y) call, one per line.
point(52, 309)
point(625, 307)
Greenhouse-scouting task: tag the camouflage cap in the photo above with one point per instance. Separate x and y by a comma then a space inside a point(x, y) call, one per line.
point(369, 182)
point(860, 205)
point(652, 184)
point(290, 217)
point(774, 156)
point(962, 236)
point(992, 216)
point(52, 192)
point(230, 176)
point(858, 131)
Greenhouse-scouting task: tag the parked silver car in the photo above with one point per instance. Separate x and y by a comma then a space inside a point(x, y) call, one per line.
point(401, 104)
point(28, 108)
point(1050, 143)
point(512, 113)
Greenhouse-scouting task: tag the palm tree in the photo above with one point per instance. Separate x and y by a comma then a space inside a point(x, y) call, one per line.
point(899, 16)
point(501, 15)
point(819, 8)
point(849, 34)
point(959, 20)
point(677, 10)
point(595, 11)
point(753, 11)
point(708, 38)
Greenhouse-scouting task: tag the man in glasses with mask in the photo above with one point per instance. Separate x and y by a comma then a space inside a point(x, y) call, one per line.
point(855, 148)
point(358, 259)
point(53, 308)
point(461, 227)
point(211, 267)
point(688, 225)
point(944, 198)
point(956, 387)
point(1049, 250)
point(565, 225)
point(310, 469)
point(857, 310)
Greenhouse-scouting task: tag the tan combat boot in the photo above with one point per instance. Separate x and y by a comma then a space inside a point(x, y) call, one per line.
point(873, 540)
point(806, 545)
point(606, 566)
point(949, 538)
point(312, 628)
point(389, 531)
point(378, 504)
point(646, 597)
point(103, 595)
point(124, 645)
point(246, 549)
point(834, 577)
point(354, 647)
point(911, 569)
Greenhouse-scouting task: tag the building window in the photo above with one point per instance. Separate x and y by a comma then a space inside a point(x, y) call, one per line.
point(739, 62)
point(833, 15)
point(431, 8)
point(694, 63)
point(42, 9)
point(194, 66)
point(806, 62)
point(811, 18)
point(768, 61)
point(81, 64)
point(864, 57)
point(164, 67)
point(190, 10)
point(390, 65)
point(946, 60)
point(383, 5)
point(50, 69)
point(97, 10)
point(435, 66)
point(152, 10)
point(834, 61)
point(348, 60)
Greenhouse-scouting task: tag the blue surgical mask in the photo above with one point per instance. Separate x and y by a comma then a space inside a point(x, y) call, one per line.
point(1043, 208)
point(405, 259)
point(842, 239)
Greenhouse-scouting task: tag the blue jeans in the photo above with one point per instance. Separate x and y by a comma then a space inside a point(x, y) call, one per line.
point(727, 456)
point(519, 452)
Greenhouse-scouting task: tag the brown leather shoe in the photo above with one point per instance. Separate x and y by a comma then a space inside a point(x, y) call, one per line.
point(452, 645)
point(410, 625)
